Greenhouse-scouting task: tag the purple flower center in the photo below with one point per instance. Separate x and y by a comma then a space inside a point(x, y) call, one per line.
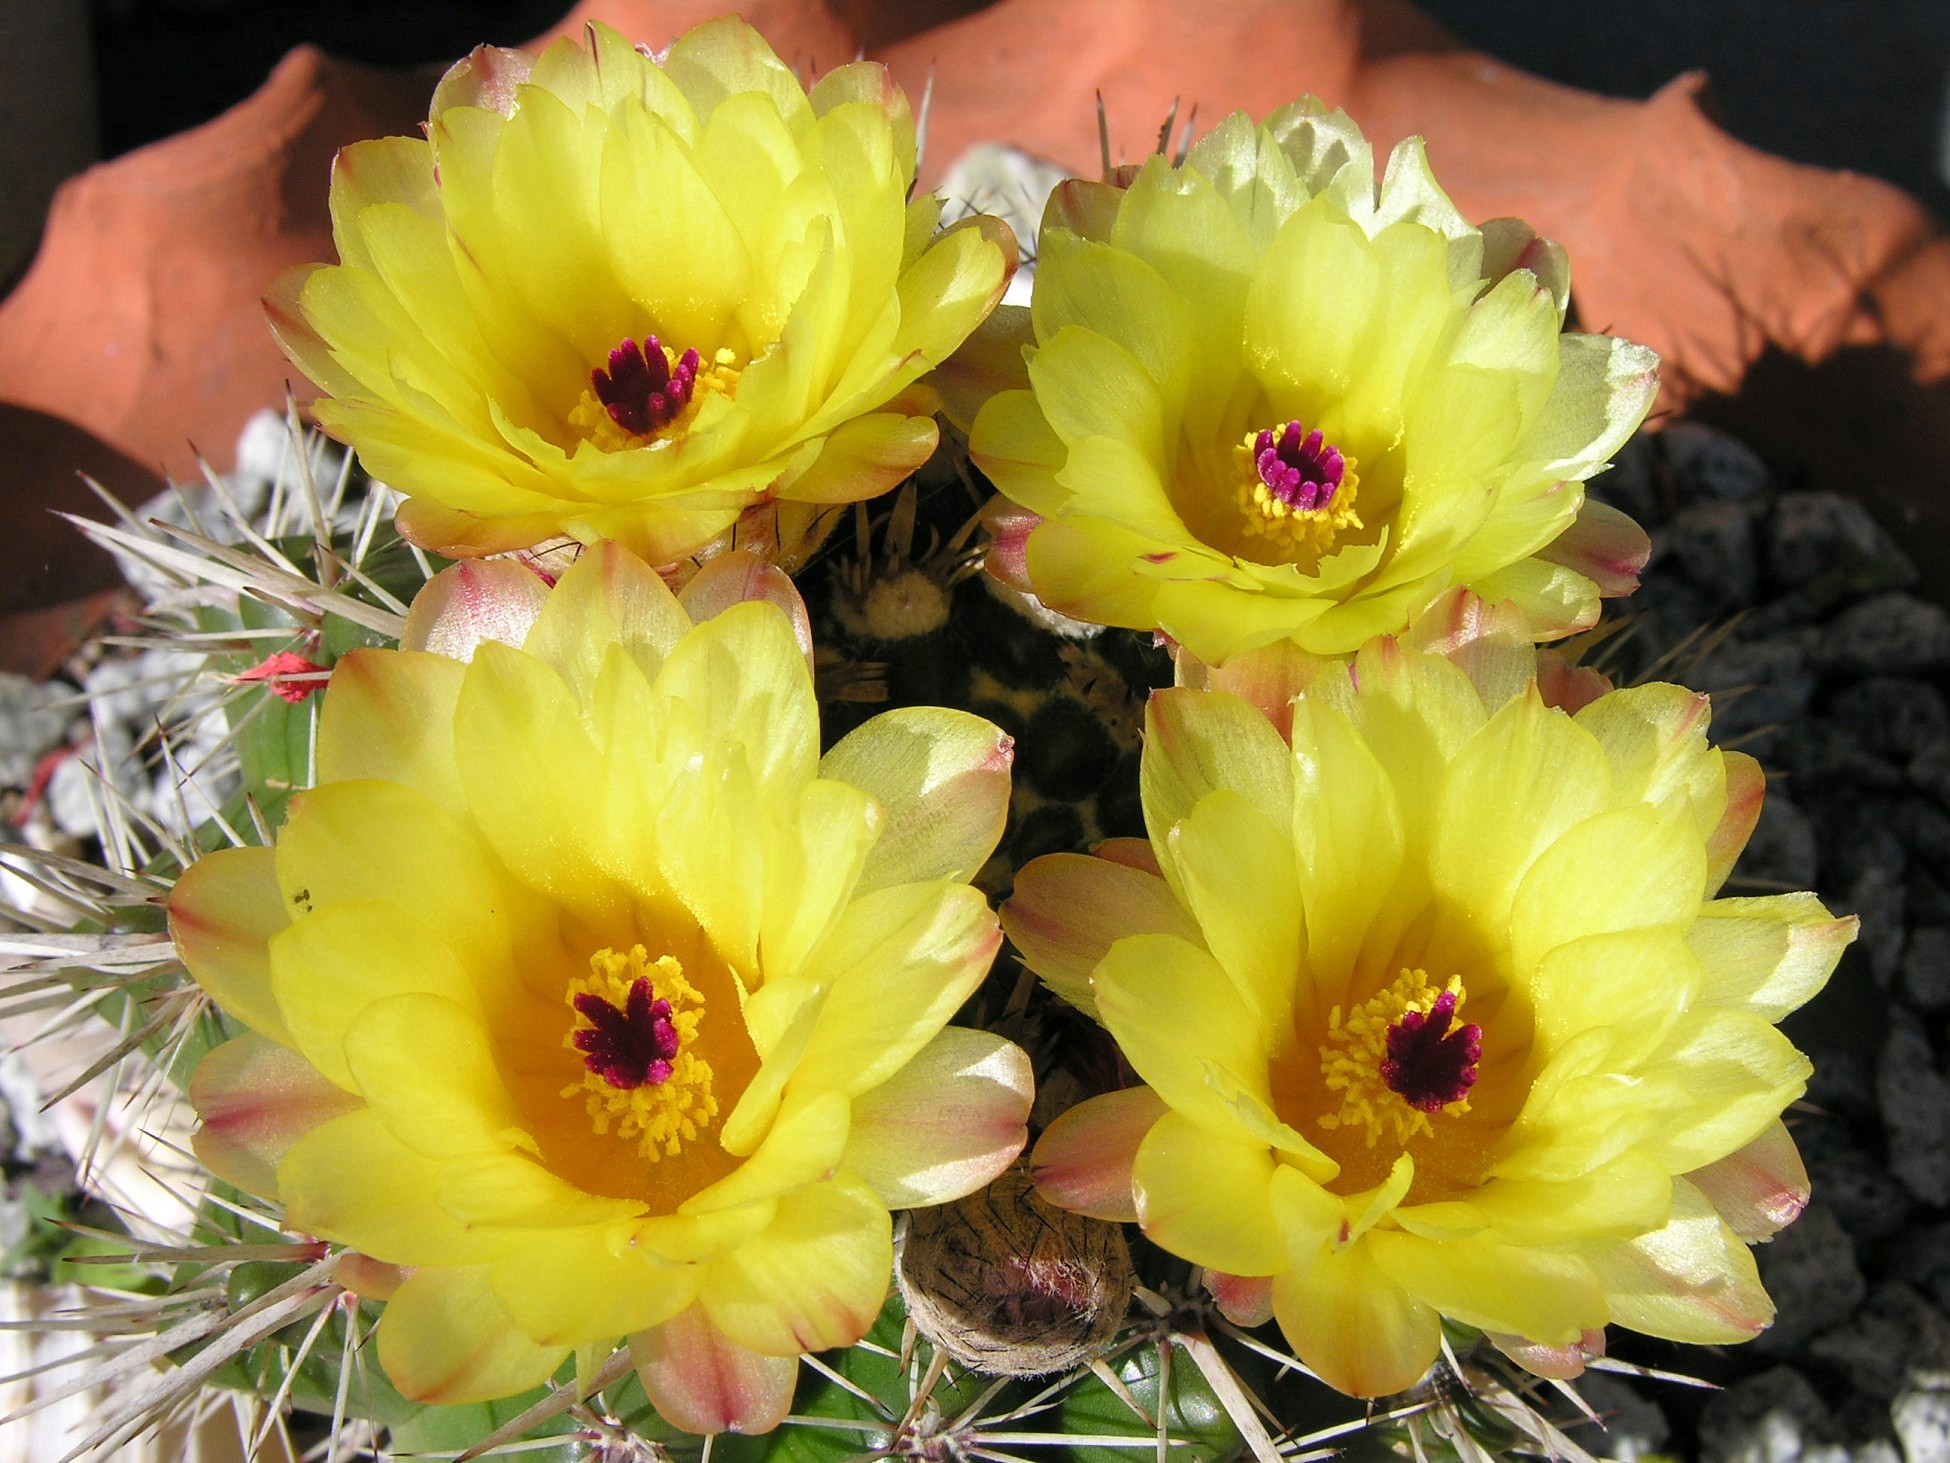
point(640, 391)
point(1429, 1064)
point(632, 1047)
point(1299, 468)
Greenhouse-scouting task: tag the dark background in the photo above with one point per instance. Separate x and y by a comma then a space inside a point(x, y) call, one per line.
point(1842, 83)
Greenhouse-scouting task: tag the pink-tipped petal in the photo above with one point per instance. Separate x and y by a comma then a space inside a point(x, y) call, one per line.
point(1068, 909)
point(256, 1099)
point(1133, 853)
point(1244, 1300)
point(1269, 678)
point(1769, 954)
point(1692, 1281)
point(703, 1382)
point(942, 777)
point(1197, 742)
point(1009, 528)
point(1603, 545)
point(737, 577)
point(779, 530)
point(368, 1278)
point(872, 83)
point(1084, 1159)
point(1511, 244)
point(1569, 688)
point(1085, 207)
point(471, 602)
point(1746, 791)
point(380, 170)
point(1553, 1363)
point(947, 1123)
point(1760, 1189)
point(1457, 618)
point(486, 77)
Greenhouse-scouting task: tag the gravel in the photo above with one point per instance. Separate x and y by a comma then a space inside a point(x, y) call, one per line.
point(1810, 1270)
point(1829, 668)
point(33, 722)
point(1915, 1100)
point(1922, 1422)
point(1775, 1416)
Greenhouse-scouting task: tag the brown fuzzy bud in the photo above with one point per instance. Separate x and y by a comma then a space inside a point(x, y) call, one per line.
point(1013, 1286)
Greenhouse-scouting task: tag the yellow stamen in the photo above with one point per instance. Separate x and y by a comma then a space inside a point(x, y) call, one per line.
point(1290, 529)
point(1355, 1048)
point(592, 420)
point(660, 1117)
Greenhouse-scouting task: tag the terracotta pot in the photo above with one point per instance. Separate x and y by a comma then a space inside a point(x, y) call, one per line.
point(56, 587)
point(139, 321)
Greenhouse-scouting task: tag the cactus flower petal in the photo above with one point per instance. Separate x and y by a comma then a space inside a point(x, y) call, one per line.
point(703, 1382)
point(256, 1099)
point(1268, 402)
point(947, 1123)
point(1461, 1029)
point(581, 993)
point(624, 297)
point(1084, 1160)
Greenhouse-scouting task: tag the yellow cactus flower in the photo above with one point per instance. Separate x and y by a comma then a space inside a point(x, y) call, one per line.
point(1438, 1014)
point(1266, 401)
point(583, 988)
point(617, 296)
